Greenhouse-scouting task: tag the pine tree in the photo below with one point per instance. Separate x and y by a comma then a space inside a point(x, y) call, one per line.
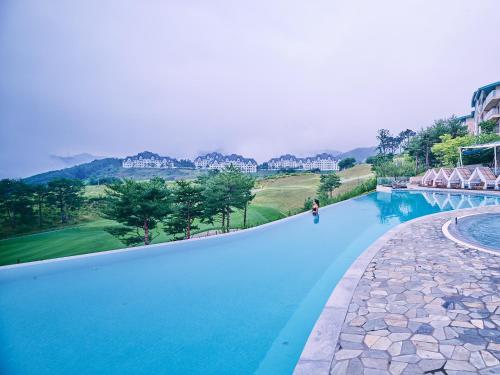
point(187, 206)
point(138, 205)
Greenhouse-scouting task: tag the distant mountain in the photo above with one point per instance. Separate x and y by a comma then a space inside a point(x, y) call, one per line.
point(309, 153)
point(360, 153)
point(95, 169)
point(70, 161)
point(330, 152)
point(105, 169)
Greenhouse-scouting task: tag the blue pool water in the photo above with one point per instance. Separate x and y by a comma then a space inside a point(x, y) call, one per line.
point(482, 230)
point(237, 304)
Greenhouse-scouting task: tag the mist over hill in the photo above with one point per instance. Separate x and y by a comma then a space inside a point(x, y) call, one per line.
point(72, 160)
point(360, 153)
point(100, 169)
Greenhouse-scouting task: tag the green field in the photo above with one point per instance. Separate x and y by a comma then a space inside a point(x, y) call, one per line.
point(275, 198)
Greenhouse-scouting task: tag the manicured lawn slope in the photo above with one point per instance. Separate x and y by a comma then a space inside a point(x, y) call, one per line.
point(80, 239)
point(93, 237)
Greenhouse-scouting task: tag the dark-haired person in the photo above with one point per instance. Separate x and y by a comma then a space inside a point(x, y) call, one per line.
point(315, 208)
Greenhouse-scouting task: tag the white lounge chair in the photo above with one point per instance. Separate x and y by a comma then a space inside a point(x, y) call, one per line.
point(428, 179)
point(442, 178)
point(482, 178)
point(459, 178)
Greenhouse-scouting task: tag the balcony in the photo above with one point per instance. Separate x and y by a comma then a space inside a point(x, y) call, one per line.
point(493, 113)
point(491, 100)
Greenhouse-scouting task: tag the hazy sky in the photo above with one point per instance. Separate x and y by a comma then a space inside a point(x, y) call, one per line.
point(259, 78)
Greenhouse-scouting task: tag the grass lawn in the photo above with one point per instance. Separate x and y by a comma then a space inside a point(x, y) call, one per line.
point(275, 198)
point(92, 237)
point(288, 193)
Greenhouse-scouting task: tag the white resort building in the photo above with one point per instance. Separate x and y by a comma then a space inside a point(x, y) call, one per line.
point(323, 162)
point(216, 160)
point(148, 159)
point(485, 105)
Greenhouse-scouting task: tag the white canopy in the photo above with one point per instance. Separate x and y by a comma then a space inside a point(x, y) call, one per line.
point(492, 145)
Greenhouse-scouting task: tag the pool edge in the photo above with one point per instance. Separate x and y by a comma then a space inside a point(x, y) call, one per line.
point(319, 350)
point(170, 243)
point(469, 245)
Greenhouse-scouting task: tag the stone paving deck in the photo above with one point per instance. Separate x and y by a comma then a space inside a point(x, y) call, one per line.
point(424, 305)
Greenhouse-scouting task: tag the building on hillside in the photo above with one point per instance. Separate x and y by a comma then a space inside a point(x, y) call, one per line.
point(323, 162)
point(216, 160)
point(468, 120)
point(284, 162)
point(148, 159)
point(486, 106)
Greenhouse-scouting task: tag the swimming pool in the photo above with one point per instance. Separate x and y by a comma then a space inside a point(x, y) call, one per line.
point(481, 230)
point(237, 304)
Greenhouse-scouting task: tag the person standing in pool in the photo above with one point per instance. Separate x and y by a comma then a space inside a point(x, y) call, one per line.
point(315, 208)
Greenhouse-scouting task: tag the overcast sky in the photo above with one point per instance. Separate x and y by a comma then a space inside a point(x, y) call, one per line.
point(259, 78)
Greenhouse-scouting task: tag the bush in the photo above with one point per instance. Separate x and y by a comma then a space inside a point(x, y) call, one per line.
point(398, 167)
point(365, 187)
point(308, 204)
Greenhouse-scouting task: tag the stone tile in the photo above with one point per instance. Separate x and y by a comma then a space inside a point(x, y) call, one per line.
point(377, 363)
point(476, 360)
point(382, 344)
point(489, 359)
point(347, 354)
point(452, 364)
point(355, 367)
point(460, 354)
point(431, 365)
point(340, 368)
point(351, 337)
point(395, 348)
point(396, 368)
point(426, 354)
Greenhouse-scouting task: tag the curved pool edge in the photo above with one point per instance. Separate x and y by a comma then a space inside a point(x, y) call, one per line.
point(447, 233)
point(319, 350)
point(170, 243)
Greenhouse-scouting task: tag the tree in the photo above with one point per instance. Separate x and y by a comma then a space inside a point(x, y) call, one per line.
point(487, 127)
point(405, 137)
point(328, 183)
point(187, 205)
point(15, 203)
point(384, 138)
point(371, 159)
point(65, 194)
point(347, 163)
point(40, 193)
point(398, 167)
point(447, 151)
point(247, 184)
point(138, 205)
point(225, 191)
point(263, 167)
point(420, 145)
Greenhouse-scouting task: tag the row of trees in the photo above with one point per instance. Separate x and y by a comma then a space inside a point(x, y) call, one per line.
point(24, 206)
point(142, 206)
point(139, 206)
point(391, 144)
point(411, 152)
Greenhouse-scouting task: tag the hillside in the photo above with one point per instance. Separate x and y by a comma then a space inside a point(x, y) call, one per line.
point(109, 168)
point(288, 193)
point(360, 153)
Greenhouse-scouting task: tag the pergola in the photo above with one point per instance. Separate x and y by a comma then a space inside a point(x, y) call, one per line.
point(493, 145)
